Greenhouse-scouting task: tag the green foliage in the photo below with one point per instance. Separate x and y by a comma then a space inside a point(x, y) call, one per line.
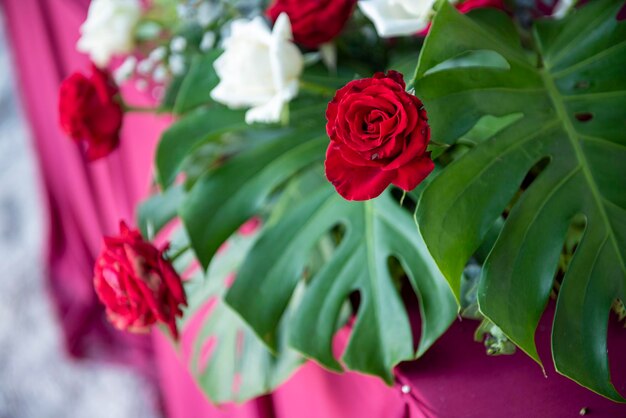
point(254, 180)
point(154, 213)
point(195, 89)
point(570, 145)
point(374, 232)
point(225, 198)
point(205, 124)
point(227, 359)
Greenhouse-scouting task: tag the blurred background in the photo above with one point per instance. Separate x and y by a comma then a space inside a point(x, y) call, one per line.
point(37, 378)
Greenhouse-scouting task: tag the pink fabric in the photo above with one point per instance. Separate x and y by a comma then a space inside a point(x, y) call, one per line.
point(457, 379)
point(454, 379)
point(86, 201)
point(83, 201)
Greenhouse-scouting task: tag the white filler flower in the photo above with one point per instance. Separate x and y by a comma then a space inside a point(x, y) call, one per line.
point(398, 17)
point(259, 68)
point(109, 29)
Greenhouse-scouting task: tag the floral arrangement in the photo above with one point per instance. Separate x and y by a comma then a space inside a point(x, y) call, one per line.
point(329, 161)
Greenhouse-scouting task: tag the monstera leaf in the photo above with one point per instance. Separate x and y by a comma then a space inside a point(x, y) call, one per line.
point(226, 197)
point(571, 94)
point(226, 358)
point(375, 231)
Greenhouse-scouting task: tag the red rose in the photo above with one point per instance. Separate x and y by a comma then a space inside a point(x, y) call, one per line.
point(313, 22)
point(137, 284)
point(379, 134)
point(90, 112)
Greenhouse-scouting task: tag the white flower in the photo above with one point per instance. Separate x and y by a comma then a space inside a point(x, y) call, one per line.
point(160, 74)
point(157, 54)
point(208, 13)
point(178, 44)
point(177, 64)
point(398, 17)
point(124, 71)
point(108, 29)
point(260, 68)
point(145, 66)
point(208, 41)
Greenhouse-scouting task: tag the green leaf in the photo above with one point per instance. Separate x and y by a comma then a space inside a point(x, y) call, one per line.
point(190, 132)
point(572, 95)
point(227, 359)
point(171, 92)
point(374, 232)
point(196, 87)
point(225, 198)
point(155, 212)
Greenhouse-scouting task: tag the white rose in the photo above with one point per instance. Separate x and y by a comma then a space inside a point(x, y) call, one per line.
point(109, 29)
point(260, 69)
point(398, 17)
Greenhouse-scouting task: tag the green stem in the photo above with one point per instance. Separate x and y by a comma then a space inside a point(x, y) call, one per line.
point(178, 253)
point(316, 89)
point(439, 144)
point(466, 142)
point(140, 109)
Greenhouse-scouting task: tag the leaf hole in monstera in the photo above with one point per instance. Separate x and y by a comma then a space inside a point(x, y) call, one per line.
point(409, 295)
point(355, 300)
point(468, 59)
point(396, 271)
point(583, 116)
point(621, 15)
point(533, 173)
point(573, 237)
point(323, 251)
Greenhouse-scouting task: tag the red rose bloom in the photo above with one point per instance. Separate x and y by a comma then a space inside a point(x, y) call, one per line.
point(379, 134)
point(137, 285)
point(313, 22)
point(89, 111)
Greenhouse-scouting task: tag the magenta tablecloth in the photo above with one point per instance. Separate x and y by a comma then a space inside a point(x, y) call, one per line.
point(454, 379)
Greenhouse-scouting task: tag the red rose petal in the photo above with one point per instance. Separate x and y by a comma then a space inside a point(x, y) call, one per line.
point(353, 182)
point(409, 176)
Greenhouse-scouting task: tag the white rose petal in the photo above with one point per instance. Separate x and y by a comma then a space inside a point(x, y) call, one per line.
point(398, 17)
point(260, 69)
point(109, 29)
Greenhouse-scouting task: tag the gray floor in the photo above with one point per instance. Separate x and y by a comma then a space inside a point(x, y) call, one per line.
point(36, 378)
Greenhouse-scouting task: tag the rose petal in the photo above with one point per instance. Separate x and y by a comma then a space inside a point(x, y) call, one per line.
point(352, 182)
point(409, 176)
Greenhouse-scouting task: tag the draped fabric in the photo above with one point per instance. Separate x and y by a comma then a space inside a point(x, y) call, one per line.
point(85, 201)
